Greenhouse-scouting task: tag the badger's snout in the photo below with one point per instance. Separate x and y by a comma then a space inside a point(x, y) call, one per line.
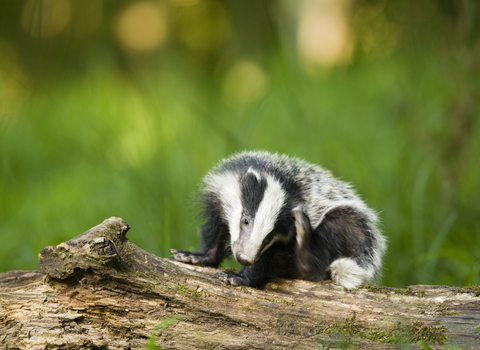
point(240, 249)
point(242, 260)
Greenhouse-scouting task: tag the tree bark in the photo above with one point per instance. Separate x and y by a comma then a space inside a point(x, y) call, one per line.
point(100, 291)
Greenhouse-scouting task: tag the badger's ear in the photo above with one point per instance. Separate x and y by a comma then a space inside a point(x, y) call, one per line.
point(251, 173)
point(302, 225)
point(303, 254)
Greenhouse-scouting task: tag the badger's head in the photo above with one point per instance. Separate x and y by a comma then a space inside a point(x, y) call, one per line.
point(254, 205)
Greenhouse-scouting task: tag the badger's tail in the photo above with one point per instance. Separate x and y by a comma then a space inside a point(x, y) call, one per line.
point(348, 273)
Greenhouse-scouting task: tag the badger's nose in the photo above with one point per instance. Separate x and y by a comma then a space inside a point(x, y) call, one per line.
point(242, 260)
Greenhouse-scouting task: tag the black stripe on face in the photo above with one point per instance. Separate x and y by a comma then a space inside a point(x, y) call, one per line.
point(252, 189)
point(270, 237)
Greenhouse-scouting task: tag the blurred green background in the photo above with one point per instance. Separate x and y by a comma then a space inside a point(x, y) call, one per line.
point(118, 108)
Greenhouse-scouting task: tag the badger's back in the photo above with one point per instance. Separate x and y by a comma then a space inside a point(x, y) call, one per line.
point(306, 184)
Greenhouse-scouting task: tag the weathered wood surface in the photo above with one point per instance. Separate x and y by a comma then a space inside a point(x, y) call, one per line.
point(100, 291)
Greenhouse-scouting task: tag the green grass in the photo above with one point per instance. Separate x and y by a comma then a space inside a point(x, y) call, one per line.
point(79, 148)
point(163, 324)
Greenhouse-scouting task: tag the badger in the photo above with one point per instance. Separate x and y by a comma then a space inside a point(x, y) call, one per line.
point(283, 217)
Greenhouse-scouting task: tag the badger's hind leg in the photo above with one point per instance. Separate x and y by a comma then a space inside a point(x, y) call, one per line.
point(346, 245)
point(355, 246)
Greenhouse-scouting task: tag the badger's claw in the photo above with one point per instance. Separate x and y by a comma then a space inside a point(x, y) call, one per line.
point(222, 276)
point(230, 278)
point(186, 257)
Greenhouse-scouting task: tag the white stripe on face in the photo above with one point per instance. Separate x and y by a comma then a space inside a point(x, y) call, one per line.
point(265, 218)
point(226, 186)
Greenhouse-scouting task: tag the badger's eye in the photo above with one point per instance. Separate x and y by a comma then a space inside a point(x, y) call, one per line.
point(245, 221)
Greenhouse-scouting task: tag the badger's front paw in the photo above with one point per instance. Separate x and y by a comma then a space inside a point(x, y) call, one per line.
point(230, 278)
point(187, 257)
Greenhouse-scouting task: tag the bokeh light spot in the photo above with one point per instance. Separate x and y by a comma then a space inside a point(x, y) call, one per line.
point(142, 26)
point(45, 18)
point(184, 2)
point(14, 85)
point(323, 36)
point(244, 83)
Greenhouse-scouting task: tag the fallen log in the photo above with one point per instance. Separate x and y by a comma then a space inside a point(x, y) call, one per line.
point(100, 291)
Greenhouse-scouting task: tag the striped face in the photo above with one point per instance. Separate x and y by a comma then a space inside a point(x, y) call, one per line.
point(251, 205)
